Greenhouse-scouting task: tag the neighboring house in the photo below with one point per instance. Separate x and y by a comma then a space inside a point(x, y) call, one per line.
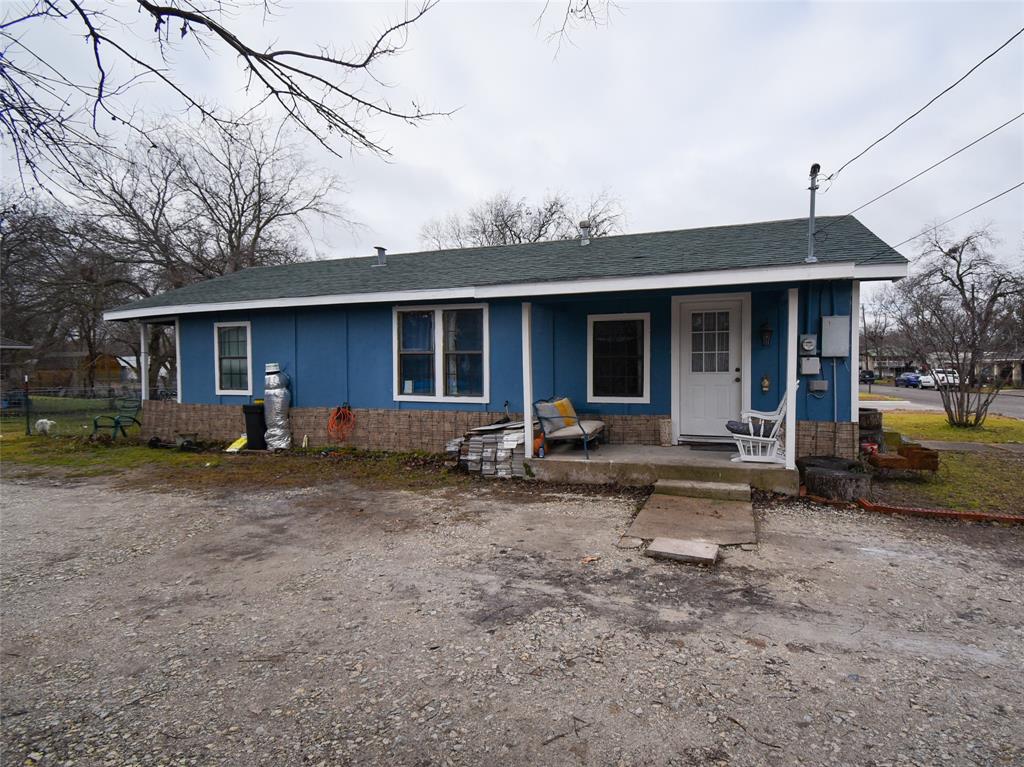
point(887, 364)
point(13, 356)
point(689, 326)
point(70, 370)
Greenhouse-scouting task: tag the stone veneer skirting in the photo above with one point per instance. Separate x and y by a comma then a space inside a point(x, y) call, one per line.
point(375, 429)
point(840, 438)
point(430, 430)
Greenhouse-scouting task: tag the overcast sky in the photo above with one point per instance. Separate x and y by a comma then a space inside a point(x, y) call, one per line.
point(690, 114)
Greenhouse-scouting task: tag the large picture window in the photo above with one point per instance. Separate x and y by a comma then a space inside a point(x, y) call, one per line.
point(619, 358)
point(233, 356)
point(441, 354)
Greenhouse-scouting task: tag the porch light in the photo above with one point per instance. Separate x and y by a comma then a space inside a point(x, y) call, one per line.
point(766, 334)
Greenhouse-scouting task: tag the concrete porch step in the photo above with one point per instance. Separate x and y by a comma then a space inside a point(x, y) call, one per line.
point(692, 488)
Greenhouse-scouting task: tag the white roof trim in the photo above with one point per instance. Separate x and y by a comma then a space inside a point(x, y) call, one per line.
point(845, 270)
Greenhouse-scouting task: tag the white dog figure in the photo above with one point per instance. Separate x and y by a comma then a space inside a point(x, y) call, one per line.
point(44, 425)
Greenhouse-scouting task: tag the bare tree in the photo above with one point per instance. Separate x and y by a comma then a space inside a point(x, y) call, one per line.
point(50, 112)
point(876, 329)
point(186, 207)
point(58, 279)
point(204, 203)
point(507, 220)
point(958, 310)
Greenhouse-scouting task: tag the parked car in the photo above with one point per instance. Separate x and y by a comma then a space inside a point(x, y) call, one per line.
point(867, 376)
point(926, 381)
point(910, 380)
point(947, 378)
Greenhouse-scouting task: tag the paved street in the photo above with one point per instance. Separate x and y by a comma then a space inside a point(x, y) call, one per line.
point(1006, 403)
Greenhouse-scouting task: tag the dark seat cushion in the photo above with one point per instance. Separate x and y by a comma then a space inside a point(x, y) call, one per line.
point(761, 428)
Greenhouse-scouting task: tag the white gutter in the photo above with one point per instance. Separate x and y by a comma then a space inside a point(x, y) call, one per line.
point(847, 270)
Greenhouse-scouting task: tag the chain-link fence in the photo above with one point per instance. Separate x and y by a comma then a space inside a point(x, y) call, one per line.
point(70, 412)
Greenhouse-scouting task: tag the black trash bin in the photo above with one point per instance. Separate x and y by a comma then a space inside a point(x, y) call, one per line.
point(255, 427)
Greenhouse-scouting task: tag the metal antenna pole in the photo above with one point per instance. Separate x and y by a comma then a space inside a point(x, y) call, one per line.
point(811, 259)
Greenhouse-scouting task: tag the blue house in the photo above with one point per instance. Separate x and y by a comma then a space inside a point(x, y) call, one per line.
point(675, 331)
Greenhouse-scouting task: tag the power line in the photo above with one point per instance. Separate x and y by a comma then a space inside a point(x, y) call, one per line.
point(918, 175)
point(1018, 185)
point(933, 100)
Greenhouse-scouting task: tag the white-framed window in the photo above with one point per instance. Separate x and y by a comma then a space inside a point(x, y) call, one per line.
point(441, 353)
point(232, 357)
point(619, 358)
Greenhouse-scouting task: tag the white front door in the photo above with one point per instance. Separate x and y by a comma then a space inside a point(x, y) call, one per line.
point(710, 366)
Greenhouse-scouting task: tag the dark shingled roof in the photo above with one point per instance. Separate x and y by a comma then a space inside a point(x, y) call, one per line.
point(739, 246)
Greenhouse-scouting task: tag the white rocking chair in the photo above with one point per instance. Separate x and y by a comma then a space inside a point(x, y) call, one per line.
point(761, 437)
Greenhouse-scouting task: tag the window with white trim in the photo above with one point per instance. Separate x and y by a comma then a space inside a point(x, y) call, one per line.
point(619, 358)
point(233, 356)
point(441, 353)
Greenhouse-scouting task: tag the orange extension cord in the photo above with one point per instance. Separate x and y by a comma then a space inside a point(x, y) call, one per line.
point(341, 423)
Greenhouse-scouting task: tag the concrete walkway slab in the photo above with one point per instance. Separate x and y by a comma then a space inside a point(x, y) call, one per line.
point(707, 519)
point(695, 552)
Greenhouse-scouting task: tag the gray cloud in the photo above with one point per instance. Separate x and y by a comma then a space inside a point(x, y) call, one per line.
point(692, 114)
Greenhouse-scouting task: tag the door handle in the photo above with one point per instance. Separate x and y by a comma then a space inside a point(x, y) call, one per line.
point(736, 379)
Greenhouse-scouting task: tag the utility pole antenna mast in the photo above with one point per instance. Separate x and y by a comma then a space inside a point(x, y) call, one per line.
point(811, 258)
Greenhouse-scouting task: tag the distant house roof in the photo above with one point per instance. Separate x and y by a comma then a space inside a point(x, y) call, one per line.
point(10, 343)
point(770, 251)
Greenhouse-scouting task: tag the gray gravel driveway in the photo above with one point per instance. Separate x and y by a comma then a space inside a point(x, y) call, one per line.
point(336, 625)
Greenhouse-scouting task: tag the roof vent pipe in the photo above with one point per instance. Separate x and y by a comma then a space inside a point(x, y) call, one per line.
point(584, 233)
point(382, 255)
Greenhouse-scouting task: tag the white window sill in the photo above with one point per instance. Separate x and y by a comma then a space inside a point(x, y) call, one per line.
point(230, 393)
point(428, 398)
point(619, 400)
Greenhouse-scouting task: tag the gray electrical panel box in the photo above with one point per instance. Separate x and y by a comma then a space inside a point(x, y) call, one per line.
point(821, 385)
point(835, 336)
point(810, 366)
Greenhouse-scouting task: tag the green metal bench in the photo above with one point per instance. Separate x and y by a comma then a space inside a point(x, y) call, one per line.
point(127, 410)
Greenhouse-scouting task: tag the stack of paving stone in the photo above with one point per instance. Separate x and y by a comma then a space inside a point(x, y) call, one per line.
point(493, 451)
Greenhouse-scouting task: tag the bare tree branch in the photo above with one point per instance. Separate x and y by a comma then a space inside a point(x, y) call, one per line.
point(50, 117)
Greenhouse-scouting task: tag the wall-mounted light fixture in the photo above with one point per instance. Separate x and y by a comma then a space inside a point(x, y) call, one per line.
point(766, 383)
point(766, 334)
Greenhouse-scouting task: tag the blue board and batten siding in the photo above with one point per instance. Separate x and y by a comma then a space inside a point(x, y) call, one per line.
point(339, 354)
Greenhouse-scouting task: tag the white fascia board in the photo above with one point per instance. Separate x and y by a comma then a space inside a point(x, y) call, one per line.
point(847, 270)
point(866, 272)
point(400, 296)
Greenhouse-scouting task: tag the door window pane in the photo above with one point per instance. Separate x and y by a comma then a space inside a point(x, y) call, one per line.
point(618, 358)
point(709, 342)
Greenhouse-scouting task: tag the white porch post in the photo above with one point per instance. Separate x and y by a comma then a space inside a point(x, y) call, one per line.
point(144, 360)
point(177, 356)
point(528, 376)
point(855, 353)
point(791, 377)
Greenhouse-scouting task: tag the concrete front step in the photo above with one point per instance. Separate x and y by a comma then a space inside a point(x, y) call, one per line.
point(729, 491)
point(775, 479)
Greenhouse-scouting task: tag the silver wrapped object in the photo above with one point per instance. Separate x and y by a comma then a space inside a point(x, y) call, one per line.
point(276, 401)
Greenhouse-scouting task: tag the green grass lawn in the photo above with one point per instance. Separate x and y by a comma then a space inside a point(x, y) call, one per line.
point(73, 415)
point(85, 458)
point(988, 481)
point(872, 397)
point(922, 425)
